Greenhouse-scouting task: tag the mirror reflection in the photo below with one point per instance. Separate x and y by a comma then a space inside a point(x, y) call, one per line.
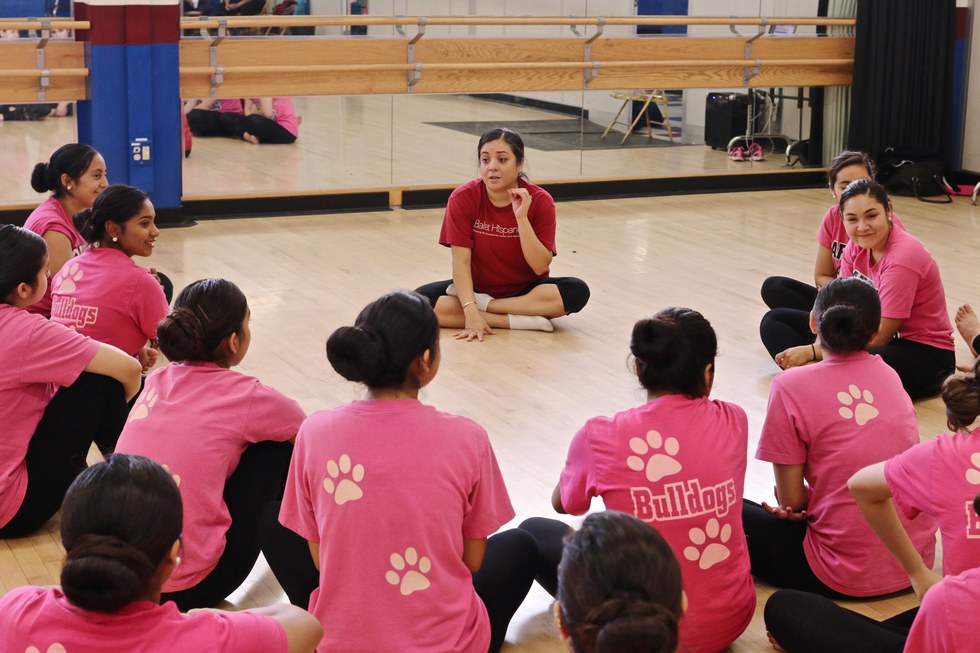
point(374, 141)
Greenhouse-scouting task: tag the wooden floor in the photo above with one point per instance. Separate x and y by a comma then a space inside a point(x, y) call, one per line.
point(305, 276)
point(368, 142)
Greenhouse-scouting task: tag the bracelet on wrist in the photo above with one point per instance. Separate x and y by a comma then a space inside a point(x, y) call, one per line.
point(814, 350)
point(468, 304)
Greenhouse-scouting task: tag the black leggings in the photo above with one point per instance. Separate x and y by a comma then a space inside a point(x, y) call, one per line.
point(574, 292)
point(252, 494)
point(504, 579)
point(787, 324)
point(776, 551)
point(921, 367)
point(92, 409)
point(807, 623)
point(204, 122)
point(549, 534)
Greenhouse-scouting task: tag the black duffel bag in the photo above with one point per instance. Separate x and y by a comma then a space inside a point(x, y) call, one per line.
point(913, 171)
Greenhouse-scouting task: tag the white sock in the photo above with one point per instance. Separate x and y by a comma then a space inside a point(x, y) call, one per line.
point(530, 323)
point(482, 299)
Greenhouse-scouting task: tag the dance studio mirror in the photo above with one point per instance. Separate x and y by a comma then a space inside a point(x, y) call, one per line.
point(376, 141)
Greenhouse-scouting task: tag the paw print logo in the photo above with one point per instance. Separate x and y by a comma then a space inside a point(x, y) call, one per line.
point(176, 477)
point(67, 279)
point(347, 489)
point(973, 474)
point(658, 465)
point(715, 551)
point(54, 648)
point(863, 412)
point(143, 406)
point(414, 567)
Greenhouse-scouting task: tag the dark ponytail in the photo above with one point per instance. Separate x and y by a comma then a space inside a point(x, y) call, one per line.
point(387, 336)
point(672, 350)
point(847, 312)
point(119, 520)
point(203, 315)
point(619, 587)
point(72, 160)
point(118, 203)
point(22, 254)
point(961, 394)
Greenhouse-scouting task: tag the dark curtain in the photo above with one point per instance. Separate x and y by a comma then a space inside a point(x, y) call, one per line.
point(902, 92)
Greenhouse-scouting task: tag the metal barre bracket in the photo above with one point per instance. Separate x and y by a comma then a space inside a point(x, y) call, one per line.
point(218, 76)
point(44, 79)
point(415, 74)
point(749, 73)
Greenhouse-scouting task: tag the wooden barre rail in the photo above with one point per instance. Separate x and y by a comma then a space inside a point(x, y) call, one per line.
point(326, 21)
point(553, 65)
point(35, 73)
point(52, 23)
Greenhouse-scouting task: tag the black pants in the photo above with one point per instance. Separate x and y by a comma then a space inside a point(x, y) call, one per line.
point(807, 623)
point(226, 123)
point(549, 536)
point(504, 579)
point(574, 292)
point(776, 551)
point(265, 129)
point(252, 494)
point(787, 324)
point(93, 409)
point(922, 368)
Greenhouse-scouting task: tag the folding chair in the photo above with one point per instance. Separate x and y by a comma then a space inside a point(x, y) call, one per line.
point(656, 96)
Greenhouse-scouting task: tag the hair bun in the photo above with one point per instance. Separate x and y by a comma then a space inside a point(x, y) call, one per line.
point(39, 178)
point(103, 573)
point(655, 342)
point(180, 335)
point(357, 353)
point(630, 624)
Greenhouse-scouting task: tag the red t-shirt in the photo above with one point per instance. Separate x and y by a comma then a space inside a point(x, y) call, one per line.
point(472, 221)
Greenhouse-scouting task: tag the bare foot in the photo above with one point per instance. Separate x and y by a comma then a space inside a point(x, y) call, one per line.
point(968, 325)
point(251, 139)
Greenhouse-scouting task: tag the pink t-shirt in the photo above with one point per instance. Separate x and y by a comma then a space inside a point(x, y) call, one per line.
point(39, 619)
point(230, 105)
point(833, 235)
point(940, 478)
point(947, 618)
point(197, 419)
point(104, 295)
point(51, 216)
point(36, 358)
point(908, 282)
point(390, 488)
point(284, 114)
point(472, 221)
point(679, 464)
point(834, 418)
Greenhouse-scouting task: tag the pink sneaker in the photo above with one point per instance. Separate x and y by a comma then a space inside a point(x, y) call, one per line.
point(736, 154)
point(755, 152)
